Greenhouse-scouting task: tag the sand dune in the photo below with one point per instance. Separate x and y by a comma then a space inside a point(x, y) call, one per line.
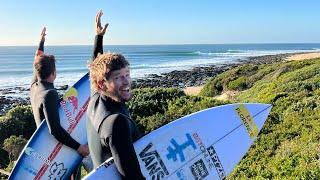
point(303, 56)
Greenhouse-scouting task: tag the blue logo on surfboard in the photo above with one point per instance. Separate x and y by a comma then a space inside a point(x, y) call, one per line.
point(177, 150)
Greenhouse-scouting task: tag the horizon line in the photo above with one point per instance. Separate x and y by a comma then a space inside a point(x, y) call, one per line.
point(165, 44)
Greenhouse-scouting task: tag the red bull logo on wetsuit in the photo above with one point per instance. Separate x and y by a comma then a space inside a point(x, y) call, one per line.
point(69, 104)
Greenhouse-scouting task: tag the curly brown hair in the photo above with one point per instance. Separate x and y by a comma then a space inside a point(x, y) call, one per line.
point(103, 65)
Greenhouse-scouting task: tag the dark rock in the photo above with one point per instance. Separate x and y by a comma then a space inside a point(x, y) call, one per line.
point(6, 103)
point(198, 76)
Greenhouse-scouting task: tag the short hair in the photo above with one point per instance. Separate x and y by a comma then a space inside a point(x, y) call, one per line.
point(44, 66)
point(101, 68)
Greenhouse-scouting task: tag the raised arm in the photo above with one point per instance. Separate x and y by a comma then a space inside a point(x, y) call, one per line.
point(100, 31)
point(39, 51)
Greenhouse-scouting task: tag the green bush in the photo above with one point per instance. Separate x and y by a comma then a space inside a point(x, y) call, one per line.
point(235, 79)
point(213, 87)
point(176, 108)
point(190, 104)
point(238, 84)
point(14, 146)
point(4, 158)
point(10, 166)
point(18, 121)
point(149, 101)
point(152, 122)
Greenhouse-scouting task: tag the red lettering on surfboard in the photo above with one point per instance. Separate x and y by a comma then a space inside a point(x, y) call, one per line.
point(67, 112)
point(58, 147)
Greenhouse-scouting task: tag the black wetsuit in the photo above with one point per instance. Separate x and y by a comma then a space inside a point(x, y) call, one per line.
point(45, 102)
point(111, 132)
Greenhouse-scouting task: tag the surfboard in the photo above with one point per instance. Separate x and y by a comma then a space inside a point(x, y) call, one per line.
point(44, 157)
point(204, 145)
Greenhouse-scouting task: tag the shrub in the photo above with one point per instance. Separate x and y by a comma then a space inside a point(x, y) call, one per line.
point(18, 121)
point(213, 87)
point(152, 122)
point(10, 166)
point(234, 79)
point(4, 158)
point(190, 104)
point(14, 146)
point(177, 108)
point(146, 102)
point(238, 84)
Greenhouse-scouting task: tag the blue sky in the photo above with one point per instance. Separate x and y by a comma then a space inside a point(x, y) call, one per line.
point(161, 21)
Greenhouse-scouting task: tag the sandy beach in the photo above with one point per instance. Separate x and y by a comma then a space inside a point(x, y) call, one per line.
point(192, 90)
point(303, 56)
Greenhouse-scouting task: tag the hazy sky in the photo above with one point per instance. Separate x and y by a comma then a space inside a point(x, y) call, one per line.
point(161, 21)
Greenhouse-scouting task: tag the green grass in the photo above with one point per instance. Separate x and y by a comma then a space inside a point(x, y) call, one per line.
point(288, 147)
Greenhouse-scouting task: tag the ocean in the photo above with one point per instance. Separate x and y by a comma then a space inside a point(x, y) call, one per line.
point(72, 61)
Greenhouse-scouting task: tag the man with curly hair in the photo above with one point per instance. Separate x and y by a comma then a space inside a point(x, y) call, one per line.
point(111, 131)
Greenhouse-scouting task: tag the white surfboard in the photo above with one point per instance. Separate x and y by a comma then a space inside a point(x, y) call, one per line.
point(204, 145)
point(44, 157)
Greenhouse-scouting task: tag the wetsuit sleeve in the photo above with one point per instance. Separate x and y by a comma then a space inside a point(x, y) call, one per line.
point(121, 146)
point(39, 52)
point(50, 109)
point(97, 47)
point(40, 49)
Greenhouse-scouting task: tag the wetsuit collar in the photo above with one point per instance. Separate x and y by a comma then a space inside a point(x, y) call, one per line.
point(112, 101)
point(47, 84)
point(115, 106)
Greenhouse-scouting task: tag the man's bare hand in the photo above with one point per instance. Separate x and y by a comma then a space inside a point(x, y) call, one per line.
point(99, 29)
point(83, 150)
point(43, 34)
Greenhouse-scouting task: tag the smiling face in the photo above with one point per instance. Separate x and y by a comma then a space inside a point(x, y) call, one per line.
point(118, 85)
point(110, 75)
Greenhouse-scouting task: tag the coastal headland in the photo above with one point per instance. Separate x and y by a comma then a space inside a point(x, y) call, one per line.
point(191, 81)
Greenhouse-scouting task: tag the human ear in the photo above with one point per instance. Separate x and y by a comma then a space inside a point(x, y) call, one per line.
point(101, 85)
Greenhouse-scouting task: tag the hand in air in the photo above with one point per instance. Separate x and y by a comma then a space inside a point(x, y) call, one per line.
point(43, 34)
point(99, 29)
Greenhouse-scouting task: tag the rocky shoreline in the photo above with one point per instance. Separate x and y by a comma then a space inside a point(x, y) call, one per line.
point(180, 79)
point(199, 75)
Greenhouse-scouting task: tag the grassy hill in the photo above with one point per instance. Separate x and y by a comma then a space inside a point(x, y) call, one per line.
point(289, 145)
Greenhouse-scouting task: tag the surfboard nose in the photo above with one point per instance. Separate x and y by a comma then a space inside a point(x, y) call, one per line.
point(259, 112)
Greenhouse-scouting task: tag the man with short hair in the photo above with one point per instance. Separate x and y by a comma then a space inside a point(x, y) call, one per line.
point(111, 131)
point(45, 100)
